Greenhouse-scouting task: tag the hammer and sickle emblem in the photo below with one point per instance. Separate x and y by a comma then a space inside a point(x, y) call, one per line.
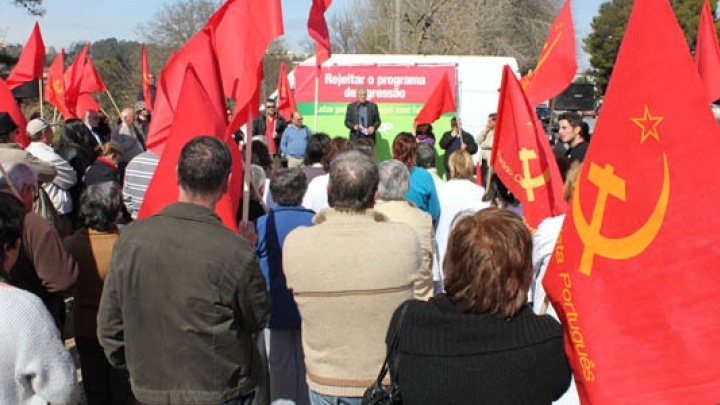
point(57, 86)
point(528, 182)
point(547, 49)
point(622, 248)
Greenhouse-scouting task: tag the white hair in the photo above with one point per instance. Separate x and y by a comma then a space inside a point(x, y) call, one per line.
point(21, 174)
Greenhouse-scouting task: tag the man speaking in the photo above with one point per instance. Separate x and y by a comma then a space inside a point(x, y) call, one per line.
point(362, 117)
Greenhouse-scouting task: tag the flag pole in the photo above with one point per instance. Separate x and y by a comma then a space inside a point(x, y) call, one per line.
point(40, 94)
point(317, 92)
point(458, 105)
point(112, 100)
point(246, 167)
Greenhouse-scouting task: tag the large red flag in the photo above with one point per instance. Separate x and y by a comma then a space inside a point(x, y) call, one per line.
point(91, 82)
point(522, 157)
point(32, 61)
point(707, 53)
point(441, 100)
point(147, 96)
point(10, 105)
point(634, 275)
point(318, 29)
point(73, 79)
point(286, 99)
point(55, 86)
point(197, 114)
point(198, 52)
point(244, 27)
point(556, 66)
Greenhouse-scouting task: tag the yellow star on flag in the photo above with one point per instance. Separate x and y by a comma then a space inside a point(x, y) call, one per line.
point(648, 123)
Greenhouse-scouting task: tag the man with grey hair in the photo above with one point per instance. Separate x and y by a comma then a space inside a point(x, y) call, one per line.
point(43, 267)
point(394, 184)
point(362, 117)
point(285, 356)
point(128, 136)
point(348, 273)
point(40, 133)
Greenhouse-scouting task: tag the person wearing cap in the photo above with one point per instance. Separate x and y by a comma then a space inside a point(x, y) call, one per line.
point(11, 151)
point(40, 133)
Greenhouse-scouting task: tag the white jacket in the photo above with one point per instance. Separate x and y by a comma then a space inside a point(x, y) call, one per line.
point(66, 177)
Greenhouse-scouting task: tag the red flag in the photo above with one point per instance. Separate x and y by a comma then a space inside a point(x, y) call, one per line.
point(522, 157)
point(707, 53)
point(286, 100)
point(55, 86)
point(10, 105)
point(198, 52)
point(556, 66)
point(634, 276)
point(318, 29)
point(442, 100)
point(244, 27)
point(73, 79)
point(197, 114)
point(91, 82)
point(145, 78)
point(32, 61)
point(478, 175)
point(86, 102)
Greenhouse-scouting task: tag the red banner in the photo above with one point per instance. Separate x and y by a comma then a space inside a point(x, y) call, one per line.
point(388, 83)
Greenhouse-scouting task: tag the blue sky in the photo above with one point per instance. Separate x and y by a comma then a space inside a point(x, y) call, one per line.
point(68, 21)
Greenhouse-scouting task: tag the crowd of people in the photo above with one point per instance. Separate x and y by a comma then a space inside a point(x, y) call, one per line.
point(344, 254)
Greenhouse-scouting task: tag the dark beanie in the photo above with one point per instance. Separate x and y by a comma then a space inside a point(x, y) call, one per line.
point(7, 124)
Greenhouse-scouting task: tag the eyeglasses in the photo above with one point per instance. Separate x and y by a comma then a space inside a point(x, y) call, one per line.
point(270, 107)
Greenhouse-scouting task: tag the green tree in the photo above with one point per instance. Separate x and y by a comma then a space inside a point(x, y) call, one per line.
point(608, 28)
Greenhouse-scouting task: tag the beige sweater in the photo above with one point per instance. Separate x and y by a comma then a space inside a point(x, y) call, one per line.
point(348, 274)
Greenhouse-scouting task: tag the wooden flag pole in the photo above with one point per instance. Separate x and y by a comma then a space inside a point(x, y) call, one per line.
point(40, 94)
point(246, 168)
point(317, 93)
point(112, 100)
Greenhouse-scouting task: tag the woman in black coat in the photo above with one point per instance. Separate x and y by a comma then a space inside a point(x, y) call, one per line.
point(78, 147)
point(480, 343)
point(105, 167)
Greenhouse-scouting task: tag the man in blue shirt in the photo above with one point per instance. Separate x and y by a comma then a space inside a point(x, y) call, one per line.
point(294, 140)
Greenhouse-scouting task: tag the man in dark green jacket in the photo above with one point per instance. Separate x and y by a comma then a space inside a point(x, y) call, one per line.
point(184, 296)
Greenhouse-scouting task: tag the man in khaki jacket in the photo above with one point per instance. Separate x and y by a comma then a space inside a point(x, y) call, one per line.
point(348, 273)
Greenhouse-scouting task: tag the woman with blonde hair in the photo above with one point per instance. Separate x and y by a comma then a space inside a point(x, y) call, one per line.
point(458, 194)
